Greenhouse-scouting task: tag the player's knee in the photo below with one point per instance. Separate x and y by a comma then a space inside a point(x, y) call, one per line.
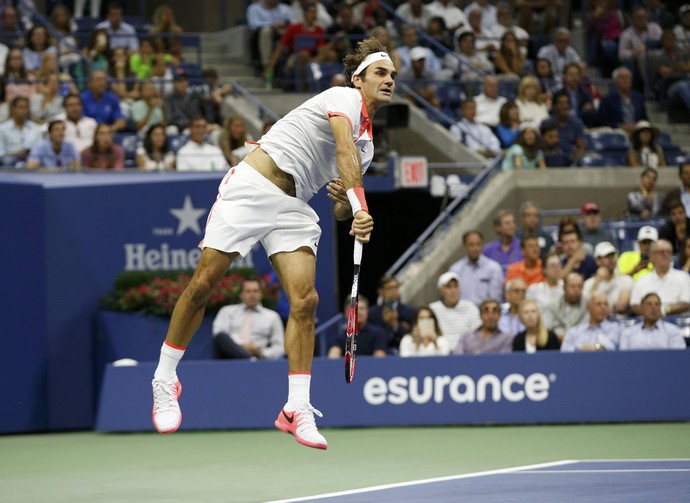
point(198, 291)
point(305, 305)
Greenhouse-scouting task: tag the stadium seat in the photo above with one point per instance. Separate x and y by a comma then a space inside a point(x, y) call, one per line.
point(191, 70)
point(129, 142)
point(508, 88)
point(319, 75)
point(557, 160)
point(450, 94)
point(175, 142)
point(592, 160)
point(615, 142)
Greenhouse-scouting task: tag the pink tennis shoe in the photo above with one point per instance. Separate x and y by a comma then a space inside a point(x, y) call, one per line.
point(300, 424)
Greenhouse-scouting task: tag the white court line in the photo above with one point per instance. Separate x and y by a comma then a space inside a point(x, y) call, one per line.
point(426, 481)
point(639, 460)
point(640, 470)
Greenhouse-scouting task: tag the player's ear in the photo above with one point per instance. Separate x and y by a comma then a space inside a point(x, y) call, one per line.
point(357, 81)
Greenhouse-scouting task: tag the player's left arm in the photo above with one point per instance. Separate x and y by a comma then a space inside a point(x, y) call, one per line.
point(350, 171)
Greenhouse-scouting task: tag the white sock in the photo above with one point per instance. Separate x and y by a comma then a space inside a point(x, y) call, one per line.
point(298, 390)
point(167, 365)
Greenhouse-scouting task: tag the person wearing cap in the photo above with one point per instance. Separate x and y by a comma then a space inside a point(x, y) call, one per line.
point(529, 269)
point(682, 29)
point(418, 77)
point(506, 249)
point(592, 233)
point(595, 334)
point(652, 332)
point(635, 263)
point(644, 152)
point(606, 280)
point(646, 202)
point(326, 141)
point(672, 285)
point(677, 227)
point(682, 192)
point(481, 277)
point(569, 309)
point(488, 338)
point(455, 316)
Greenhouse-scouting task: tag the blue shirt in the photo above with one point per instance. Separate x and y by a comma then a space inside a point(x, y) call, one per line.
point(46, 157)
point(125, 36)
point(568, 133)
point(104, 111)
point(605, 333)
point(258, 15)
point(587, 268)
point(13, 138)
point(662, 335)
point(509, 323)
point(480, 281)
point(494, 251)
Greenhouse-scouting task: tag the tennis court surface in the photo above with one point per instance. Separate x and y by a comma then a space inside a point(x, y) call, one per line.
point(625, 481)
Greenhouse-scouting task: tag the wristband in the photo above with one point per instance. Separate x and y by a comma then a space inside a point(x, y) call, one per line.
point(357, 201)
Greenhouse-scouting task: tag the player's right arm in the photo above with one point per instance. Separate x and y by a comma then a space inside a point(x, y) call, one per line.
point(350, 171)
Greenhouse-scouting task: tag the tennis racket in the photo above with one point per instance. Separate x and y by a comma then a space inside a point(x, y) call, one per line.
point(352, 321)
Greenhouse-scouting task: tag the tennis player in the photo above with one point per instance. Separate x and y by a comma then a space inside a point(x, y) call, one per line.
point(326, 140)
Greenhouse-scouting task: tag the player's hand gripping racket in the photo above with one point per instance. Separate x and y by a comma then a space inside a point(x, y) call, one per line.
point(352, 321)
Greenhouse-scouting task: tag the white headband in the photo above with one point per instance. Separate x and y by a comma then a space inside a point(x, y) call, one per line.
point(371, 58)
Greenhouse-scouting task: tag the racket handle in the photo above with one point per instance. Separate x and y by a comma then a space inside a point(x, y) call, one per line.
point(357, 256)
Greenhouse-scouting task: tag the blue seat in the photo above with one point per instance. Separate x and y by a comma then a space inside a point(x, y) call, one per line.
point(607, 141)
point(129, 143)
point(451, 95)
point(508, 88)
point(175, 142)
point(319, 75)
point(191, 70)
point(592, 160)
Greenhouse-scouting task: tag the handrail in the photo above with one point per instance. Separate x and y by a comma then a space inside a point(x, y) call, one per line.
point(477, 182)
point(442, 117)
point(263, 109)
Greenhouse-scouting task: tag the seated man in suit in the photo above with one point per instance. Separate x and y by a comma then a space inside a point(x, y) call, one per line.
point(390, 314)
point(371, 340)
point(622, 107)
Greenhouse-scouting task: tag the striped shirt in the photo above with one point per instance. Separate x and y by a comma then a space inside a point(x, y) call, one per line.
point(457, 320)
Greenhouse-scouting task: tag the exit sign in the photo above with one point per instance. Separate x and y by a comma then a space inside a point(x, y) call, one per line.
point(412, 172)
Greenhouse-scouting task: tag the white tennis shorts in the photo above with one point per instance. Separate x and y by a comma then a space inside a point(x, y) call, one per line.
point(250, 208)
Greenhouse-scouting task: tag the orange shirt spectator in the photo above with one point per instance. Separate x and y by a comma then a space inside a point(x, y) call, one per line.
point(529, 269)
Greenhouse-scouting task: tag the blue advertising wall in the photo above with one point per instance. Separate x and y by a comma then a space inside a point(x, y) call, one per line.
point(548, 387)
point(64, 239)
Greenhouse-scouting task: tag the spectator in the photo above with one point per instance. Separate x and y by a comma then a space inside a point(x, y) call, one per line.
point(546, 78)
point(17, 80)
point(61, 17)
point(526, 152)
point(677, 226)
point(94, 8)
point(606, 280)
point(658, 13)
point(248, 329)
point(682, 29)
point(214, 93)
point(581, 99)
point(371, 340)
point(154, 154)
point(510, 323)
point(419, 79)
point(54, 151)
point(371, 16)
point(606, 23)
point(149, 109)
point(467, 62)
point(483, 41)
point(636, 263)
point(551, 145)
point(535, 336)
point(232, 139)
point(530, 269)
point(530, 226)
point(163, 74)
point(538, 17)
point(489, 103)
point(46, 106)
point(652, 332)
point(504, 23)
point(682, 192)
point(323, 18)
point(488, 13)
point(633, 41)
point(644, 152)
point(37, 44)
point(141, 62)
point(671, 285)
point(551, 289)
point(569, 309)
point(183, 105)
point(596, 334)
point(481, 277)
point(426, 338)
point(622, 107)
point(298, 55)
point(12, 30)
point(267, 20)
point(121, 34)
point(453, 17)
point(395, 317)
point(101, 103)
point(165, 27)
point(49, 66)
point(343, 32)
point(79, 130)
point(488, 338)
point(530, 103)
point(415, 13)
point(455, 316)
point(559, 53)
point(122, 79)
point(646, 202)
point(508, 127)
point(593, 233)
point(673, 65)
point(684, 257)
point(18, 134)
point(103, 152)
point(97, 51)
point(410, 40)
point(509, 59)
point(506, 249)
point(576, 258)
point(474, 135)
point(438, 33)
point(571, 136)
point(197, 154)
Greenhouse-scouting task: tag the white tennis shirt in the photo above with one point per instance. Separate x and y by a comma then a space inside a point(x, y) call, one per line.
point(302, 142)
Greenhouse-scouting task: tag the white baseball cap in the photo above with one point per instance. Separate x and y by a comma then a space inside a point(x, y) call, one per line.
point(417, 53)
point(446, 278)
point(604, 249)
point(647, 232)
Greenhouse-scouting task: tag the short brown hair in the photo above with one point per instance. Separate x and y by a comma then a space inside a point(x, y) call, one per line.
point(354, 59)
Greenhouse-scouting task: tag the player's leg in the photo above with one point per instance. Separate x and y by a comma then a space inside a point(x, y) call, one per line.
point(296, 271)
point(185, 321)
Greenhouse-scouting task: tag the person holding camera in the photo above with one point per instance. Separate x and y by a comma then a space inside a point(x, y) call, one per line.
point(425, 339)
point(390, 314)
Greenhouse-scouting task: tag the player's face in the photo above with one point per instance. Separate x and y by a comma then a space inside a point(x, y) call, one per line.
point(379, 83)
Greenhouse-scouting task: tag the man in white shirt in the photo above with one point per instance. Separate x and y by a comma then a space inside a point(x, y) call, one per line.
point(416, 13)
point(481, 277)
point(455, 316)
point(559, 53)
point(596, 333)
point(633, 41)
point(197, 154)
point(248, 330)
point(488, 13)
point(489, 103)
point(652, 332)
point(671, 285)
point(473, 134)
point(452, 15)
point(121, 34)
point(504, 23)
point(551, 290)
point(18, 134)
point(606, 280)
point(79, 129)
